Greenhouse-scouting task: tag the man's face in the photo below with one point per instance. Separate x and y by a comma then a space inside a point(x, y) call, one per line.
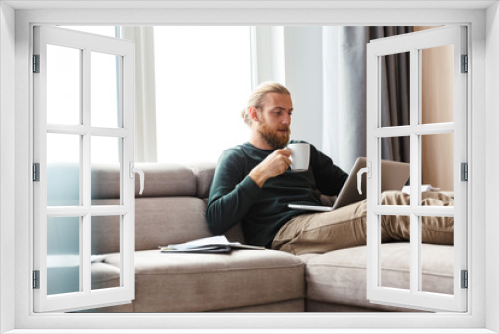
point(274, 118)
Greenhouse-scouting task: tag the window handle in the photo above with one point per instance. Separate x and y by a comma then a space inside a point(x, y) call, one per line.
point(134, 170)
point(366, 170)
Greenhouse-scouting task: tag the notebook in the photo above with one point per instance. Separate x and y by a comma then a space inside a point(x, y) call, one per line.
point(394, 177)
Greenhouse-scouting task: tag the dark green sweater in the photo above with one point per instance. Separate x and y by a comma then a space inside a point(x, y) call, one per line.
point(235, 197)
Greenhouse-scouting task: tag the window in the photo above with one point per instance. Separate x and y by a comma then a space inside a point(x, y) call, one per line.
point(483, 256)
point(81, 113)
point(419, 129)
point(203, 75)
point(202, 78)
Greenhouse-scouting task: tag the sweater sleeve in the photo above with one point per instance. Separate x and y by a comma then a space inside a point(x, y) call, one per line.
point(329, 178)
point(232, 193)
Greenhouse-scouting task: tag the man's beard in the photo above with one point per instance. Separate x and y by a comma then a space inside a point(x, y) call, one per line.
point(273, 138)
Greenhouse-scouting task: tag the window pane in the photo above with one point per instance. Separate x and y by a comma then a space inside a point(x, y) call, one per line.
point(395, 252)
point(437, 161)
point(105, 240)
point(104, 90)
point(105, 159)
point(202, 83)
point(63, 85)
point(395, 90)
point(63, 169)
point(437, 255)
point(395, 170)
point(63, 255)
point(437, 84)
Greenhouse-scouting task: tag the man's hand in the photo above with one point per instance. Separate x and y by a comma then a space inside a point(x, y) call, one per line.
point(275, 164)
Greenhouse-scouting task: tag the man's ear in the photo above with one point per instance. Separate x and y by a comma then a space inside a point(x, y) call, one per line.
point(252, 111)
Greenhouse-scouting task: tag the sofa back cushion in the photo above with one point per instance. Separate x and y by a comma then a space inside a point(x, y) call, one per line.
point(170, 210)
point(169, 220)
point(160, 180)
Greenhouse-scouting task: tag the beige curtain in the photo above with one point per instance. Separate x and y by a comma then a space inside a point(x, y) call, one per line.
point(437, 107)
point(145, 92)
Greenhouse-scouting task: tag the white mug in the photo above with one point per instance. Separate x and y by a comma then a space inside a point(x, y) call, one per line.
point(299, 156)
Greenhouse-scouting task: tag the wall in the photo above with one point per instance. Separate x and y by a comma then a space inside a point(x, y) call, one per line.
point(490, 166)
point(304, 78)
point(7, 159)
point(269, 54)
point(437, 107)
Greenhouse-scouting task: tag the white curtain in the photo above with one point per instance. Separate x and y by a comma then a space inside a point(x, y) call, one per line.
point(268, 54)
point(344, 97)
point(344, 94)
point(330, 94)
point(145, 92)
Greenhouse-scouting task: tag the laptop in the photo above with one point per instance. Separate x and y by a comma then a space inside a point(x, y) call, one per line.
point(394, 177)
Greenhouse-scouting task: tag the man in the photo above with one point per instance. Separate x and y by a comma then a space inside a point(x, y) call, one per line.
point(253, 184)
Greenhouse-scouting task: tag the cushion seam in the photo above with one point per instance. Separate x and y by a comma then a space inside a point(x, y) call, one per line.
point(220, 271)
point(383, 269)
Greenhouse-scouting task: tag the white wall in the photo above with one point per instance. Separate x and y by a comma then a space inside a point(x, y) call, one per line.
point(304, 79)
point(7, 160)
point(492, 158)
point(269, 54)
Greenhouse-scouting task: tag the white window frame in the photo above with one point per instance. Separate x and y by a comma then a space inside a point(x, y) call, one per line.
point(85, 298)
point(414, 43)
point(483, 103)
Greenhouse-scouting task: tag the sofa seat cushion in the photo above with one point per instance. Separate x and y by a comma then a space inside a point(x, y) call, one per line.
point(339, 276)
point(104, 276)
point(194, 282)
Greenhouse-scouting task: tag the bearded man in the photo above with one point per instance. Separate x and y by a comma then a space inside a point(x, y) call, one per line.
point(253, 185)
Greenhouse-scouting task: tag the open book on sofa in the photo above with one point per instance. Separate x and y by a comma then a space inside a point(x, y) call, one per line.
point(216, 244)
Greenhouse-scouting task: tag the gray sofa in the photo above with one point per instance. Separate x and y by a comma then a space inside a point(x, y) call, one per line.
point(172, 210)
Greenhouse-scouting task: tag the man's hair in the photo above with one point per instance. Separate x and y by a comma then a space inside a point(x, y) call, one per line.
point(258, 95)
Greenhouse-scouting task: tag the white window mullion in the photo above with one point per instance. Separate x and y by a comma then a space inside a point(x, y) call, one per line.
point(396, 131)
point(418, 274)
point(74, 211)
point(415, 253)
point(67, 129)
point(85, 271)
point(378, 253)
point(85, 243)
point(82, 130)
point(405, 210)
point(415, 158)
point(422, 129)
point(104, 132)
point(434, 128)
point(86, 149)
point(123, 259)
point(373, 153)
point(85, 172)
